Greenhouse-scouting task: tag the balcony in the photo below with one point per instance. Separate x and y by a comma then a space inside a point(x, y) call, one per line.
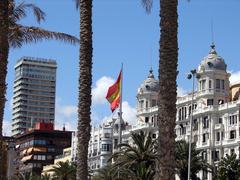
point(205, 92)
point(147, 110)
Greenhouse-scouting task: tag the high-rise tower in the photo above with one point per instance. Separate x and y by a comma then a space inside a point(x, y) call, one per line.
point(34, 93)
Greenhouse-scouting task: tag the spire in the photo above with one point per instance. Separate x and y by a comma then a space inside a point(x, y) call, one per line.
point(213, 50)
point(151, 73)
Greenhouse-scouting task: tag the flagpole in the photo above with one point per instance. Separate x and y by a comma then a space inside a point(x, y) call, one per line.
point(120, 117)
point(120, 108)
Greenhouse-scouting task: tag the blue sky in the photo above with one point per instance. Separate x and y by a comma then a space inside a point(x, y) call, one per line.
point(124, 33)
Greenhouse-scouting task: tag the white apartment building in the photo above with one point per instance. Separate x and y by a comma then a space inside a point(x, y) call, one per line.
point(215, 126)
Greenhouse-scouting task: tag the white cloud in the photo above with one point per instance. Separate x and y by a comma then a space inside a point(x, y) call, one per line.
point(99, 92)
point(235, 77)
point(65, 115)
point(7, 128)
point(129, 113)
point(181, 91)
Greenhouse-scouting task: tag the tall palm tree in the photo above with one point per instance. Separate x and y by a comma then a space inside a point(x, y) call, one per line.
point(168, 61)
point(85, 85)
point(64, 171)
point(4, 48)
point(138, 158)
point(13, 34)
point(229, 168)
point(197, 163)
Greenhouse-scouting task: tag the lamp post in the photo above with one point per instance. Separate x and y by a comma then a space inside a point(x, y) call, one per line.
point(192, 75)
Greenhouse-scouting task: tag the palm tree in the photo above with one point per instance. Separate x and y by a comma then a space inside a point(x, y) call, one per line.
point(168, 61)
point(25, 176)
point(229, 168)
point(142, 172)
point(13, 34)
point(108, 172)
point(4, 47)
point(137, 159)
point(85, 85)
point(197, 163)
point(45, 176)
point(64, 171)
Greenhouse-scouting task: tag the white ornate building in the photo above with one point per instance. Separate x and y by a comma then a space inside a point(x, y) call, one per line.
point(215, 126)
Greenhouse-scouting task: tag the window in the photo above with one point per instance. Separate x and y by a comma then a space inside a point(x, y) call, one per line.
point(182, 130)
point(217, 83)
point(195, 125)
point(39, 157)
point(222, 84)
point(209, 102)
point(115, 143)
point(205, 122)
point(222, 135)
point(219, 120)
point(218, 136)
point(106, 147)
point(146, 119)
point(39, 142)
point(146, 104)
point(185, 112)
point(51, 150)
point(232, 134)
point(232, 151)
point(216, 155)
point(205, 137)
point(141, 104)
point(210, 84)
point(233, 119)
point(204, 155)
point(180, 114)
point(189, 110)
point(203, 84)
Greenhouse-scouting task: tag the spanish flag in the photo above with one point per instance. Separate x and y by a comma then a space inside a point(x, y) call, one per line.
point(114, 93)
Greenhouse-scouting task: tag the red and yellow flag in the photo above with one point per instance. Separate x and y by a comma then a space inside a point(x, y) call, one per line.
point(114, 93)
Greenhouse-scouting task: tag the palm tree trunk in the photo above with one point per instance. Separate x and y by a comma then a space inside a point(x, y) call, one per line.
point(165, 168)
point(85, 83)
point(4, 48)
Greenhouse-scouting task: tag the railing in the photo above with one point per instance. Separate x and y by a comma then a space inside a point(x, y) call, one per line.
point(147, 110)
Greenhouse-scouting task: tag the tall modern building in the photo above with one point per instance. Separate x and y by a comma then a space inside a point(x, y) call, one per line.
point(34, 93)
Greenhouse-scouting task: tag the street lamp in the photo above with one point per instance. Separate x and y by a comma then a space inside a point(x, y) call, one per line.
point(192, 75)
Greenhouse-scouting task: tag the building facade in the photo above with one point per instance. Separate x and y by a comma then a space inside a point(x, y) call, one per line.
point(34, 93)
point(65, 157)
point(38, 147)
point(215, 108)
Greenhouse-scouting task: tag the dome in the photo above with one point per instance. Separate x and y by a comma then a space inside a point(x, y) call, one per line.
point(150, 84)
point(212, 61)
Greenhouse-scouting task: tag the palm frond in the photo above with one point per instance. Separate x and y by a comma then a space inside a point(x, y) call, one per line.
point(77, 3)
point(19, 11)
point(147, 4)
point(29, 34)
